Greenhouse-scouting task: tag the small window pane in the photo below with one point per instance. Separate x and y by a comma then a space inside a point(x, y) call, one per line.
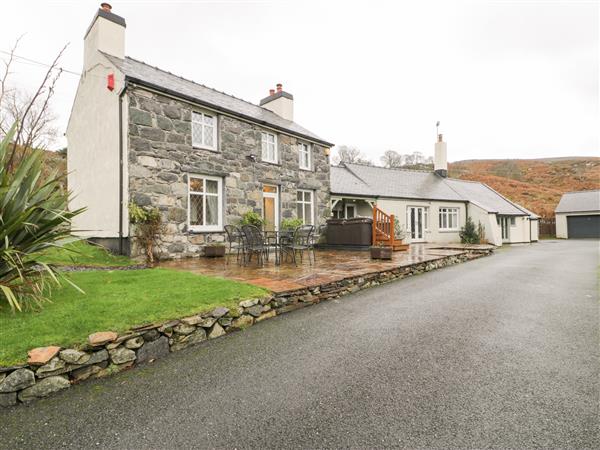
point(307, 215)
point(208, 136)
point(212, 187)
point(269, 188)
point(212, 210)
point(299, 211)
point(299, 196)
point(196, 184)
point(208, 120)
point(196, 133)
point(196, 210)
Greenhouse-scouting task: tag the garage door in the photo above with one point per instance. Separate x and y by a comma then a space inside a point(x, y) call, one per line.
point(583, 226)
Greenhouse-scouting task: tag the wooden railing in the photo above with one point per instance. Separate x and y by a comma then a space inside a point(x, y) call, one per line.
point(383, 228)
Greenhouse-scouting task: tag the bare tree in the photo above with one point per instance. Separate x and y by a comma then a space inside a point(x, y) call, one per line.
point(350, 155)
point(392, 159)
point(30, 112)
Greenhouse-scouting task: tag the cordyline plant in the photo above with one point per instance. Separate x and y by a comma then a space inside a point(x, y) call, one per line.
point(34, 216)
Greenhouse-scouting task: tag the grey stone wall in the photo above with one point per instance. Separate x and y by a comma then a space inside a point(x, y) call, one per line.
point(160, 156)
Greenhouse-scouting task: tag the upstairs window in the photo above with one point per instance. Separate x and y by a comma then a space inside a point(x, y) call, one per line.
point(449, 219)
point(204, 130)
point(304, 156)
point(269, 147)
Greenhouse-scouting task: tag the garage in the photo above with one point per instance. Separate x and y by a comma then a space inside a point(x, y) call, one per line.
point(579, 227)
point(578, 215)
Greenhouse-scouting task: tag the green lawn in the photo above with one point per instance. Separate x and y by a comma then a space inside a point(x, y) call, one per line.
point(116, 301)
point(81, 253)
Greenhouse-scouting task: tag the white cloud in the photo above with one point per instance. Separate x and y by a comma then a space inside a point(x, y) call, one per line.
point(507, 79)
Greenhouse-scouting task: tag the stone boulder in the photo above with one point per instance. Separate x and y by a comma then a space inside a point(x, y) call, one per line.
point(153, 350)
point(56, 366)
point(121, 355)
point(72, 356)
point(17, 380)
point(102, 338)
point(134, 343)
point(43, 388)
point(242, 322)
point(182, 341)
point(216, 331)
point(41, 355)
point(219, 312)
point(249, 303)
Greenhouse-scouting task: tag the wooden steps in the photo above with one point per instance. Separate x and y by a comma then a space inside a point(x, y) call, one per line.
point(384, 231)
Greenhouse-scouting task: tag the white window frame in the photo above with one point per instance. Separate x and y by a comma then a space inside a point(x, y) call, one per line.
point(346, 207)
point(200, 123)
point(513, 221)
point(264, 147)
point(425, 216)
point(304, 148)
point(447, 212)
point(219, 195)
point(303, 202)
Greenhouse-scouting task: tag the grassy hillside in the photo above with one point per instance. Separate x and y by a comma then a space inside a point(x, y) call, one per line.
point(537, 184)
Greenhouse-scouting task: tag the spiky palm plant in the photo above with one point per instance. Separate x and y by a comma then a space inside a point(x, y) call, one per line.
point(34, 216)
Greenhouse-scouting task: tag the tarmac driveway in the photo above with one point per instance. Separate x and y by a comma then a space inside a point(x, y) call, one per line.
point(497, 352)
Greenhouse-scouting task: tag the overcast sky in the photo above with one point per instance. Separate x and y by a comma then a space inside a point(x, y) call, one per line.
point(507, 79)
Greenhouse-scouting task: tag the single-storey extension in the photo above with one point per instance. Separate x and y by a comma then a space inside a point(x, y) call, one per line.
point(430, 206)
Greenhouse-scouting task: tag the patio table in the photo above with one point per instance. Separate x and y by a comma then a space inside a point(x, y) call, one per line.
point(278, 240)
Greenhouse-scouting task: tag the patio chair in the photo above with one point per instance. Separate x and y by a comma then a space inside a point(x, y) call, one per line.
point(302, 242)
point(254, 244)
point(235, 239)
point(321, 231)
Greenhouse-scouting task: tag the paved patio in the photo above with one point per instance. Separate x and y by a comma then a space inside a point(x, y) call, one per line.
point(330, 266)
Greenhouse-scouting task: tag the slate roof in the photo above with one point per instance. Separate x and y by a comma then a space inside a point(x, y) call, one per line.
point(371, 181)
point(581, 201)
point(485, 197)
point(145, 74)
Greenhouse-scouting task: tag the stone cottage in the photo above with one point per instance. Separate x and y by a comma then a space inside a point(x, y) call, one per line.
point(138, 133)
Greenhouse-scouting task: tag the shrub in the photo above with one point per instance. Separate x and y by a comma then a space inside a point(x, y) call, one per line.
point(480, 233)
point(34, 217)
point(148, 228)
point(400, 232)
point(252, 218)
point(291, 224)
point(468, 233)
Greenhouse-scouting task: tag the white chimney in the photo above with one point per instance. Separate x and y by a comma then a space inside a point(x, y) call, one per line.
point(280, 102)
point(440, 161)
point(106, 34)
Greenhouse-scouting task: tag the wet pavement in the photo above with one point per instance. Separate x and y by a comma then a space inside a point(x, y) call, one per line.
point(329, 266)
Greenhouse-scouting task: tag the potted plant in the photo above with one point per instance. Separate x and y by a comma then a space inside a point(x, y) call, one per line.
point(400, 234)
point(291, 224)
point(252, 218)
point(214, 250)
point(381, 252)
